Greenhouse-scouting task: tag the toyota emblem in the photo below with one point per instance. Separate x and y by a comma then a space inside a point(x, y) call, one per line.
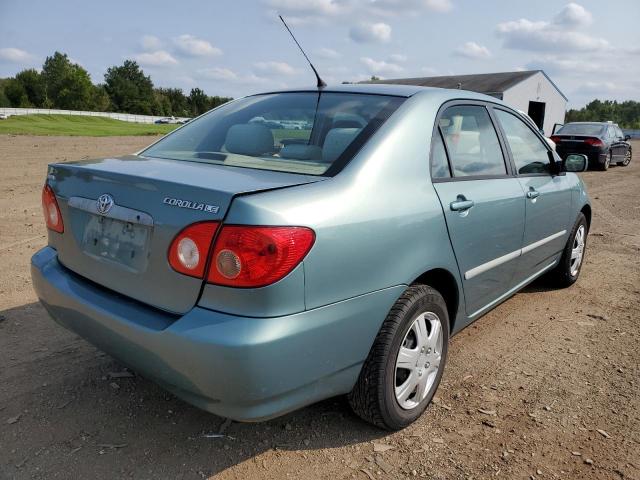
point(104, 203)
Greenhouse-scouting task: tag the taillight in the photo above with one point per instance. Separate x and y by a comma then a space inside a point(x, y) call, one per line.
point(51, 210)
point(189, 250)
point(248, 256)
point(555, 139)
point(594, 142)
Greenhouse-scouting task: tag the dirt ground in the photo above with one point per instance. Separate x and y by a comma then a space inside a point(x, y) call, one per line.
point(547, 385)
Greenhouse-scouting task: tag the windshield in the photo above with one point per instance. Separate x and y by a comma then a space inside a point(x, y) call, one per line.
point(581, 129)
point(299, 132)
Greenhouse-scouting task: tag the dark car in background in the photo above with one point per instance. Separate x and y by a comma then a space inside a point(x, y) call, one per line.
point(602, 142)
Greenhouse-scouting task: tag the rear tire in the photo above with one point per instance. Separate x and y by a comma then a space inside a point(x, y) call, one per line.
point(605, 166)
point(568, 269)
point(627, 159)
point(416, 328)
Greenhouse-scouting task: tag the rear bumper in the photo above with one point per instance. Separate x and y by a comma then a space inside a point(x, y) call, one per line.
point(244, 368)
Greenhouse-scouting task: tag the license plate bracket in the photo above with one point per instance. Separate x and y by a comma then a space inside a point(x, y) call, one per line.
point(117, 241)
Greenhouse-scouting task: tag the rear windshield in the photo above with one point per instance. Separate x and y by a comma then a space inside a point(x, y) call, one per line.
point(298, 132)
point(581, 129)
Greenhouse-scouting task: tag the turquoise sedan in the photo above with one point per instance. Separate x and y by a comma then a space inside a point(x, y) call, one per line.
point(292, 246)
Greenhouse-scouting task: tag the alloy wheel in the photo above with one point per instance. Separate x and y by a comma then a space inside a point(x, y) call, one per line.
point(577, 251)
point(418, 360)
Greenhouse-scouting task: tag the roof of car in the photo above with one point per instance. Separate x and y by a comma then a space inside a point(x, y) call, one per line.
point(591, 123)
point(385, 89)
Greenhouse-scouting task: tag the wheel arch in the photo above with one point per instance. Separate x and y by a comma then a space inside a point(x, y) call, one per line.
point(445, 283)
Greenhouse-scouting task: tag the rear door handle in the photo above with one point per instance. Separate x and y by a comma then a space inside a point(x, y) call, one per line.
point(533, 193)
point(461, 204)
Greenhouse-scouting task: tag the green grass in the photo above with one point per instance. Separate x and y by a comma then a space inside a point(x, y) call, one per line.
point(76, 125)
point(279, 134)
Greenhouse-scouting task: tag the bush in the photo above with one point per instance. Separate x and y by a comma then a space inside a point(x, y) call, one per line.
point(625, 114)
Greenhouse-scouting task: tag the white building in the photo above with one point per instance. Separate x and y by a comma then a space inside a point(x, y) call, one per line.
point(530, 91)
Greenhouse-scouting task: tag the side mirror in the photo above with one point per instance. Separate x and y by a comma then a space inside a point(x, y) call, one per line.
point(575, 163)
point(627, 137)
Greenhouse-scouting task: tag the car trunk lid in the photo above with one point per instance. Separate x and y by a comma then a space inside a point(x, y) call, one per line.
point(148, 201)
point(576, 143)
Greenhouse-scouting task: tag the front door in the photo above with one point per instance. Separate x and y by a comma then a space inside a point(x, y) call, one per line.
point(483, 203)
point(548, 196)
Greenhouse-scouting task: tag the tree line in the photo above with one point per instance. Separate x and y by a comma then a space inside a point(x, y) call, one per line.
point(625, 114)
point(65, 85)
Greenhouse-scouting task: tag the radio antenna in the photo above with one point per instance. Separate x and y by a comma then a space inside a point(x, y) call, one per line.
point(321, 83)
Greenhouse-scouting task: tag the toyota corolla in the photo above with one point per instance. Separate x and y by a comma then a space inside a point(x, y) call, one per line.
point(252, 268)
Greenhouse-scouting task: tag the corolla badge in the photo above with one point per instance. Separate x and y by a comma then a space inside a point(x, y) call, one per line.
point(104, 203)
point(177, 202)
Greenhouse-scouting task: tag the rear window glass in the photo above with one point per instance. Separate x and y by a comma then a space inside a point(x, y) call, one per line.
point(581, 129)
point(297, 132)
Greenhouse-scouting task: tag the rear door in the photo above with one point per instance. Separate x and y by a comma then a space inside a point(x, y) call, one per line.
point(619, 146)
point(610, 140)
point(482, 202)
point(548, 196)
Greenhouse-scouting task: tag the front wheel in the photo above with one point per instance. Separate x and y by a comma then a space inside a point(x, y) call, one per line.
point(568, 269)
point(627, 159)
point(405, 364)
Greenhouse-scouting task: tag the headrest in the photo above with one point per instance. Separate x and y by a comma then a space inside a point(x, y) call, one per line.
point(348, 120)
point(249, 139)
point(336, 141)
point(301, 152)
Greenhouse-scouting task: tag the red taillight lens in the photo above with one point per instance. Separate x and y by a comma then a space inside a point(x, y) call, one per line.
point(189, 250)
point(51, 211)
point(246, 256)
point(555, 139)
point(594, 142)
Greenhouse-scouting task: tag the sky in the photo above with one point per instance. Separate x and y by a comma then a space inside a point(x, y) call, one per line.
point(590, 49)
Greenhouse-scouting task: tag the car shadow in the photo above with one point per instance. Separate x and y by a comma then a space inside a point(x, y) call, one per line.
point(539, 285)
point(93, 418)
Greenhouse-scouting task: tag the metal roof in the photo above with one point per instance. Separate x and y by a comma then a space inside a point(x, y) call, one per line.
point(488, 83)
point(437, 94)
point(373, 89)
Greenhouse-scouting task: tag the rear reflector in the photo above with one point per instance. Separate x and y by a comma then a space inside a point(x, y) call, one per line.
point(189, 250)
point(247, 256)
point(51, 210)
